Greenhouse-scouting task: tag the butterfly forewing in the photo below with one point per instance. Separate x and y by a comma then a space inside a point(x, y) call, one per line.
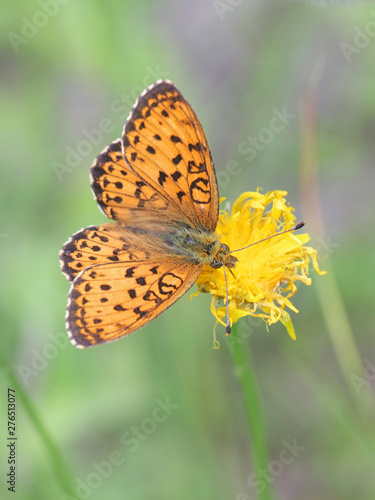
point(120, 192)
point(165, 144)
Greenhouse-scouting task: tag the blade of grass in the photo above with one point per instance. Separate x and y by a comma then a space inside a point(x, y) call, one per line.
point(60, 469)
point(337, 322)
point(253, 406)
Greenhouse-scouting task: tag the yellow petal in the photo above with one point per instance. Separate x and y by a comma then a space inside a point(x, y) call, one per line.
point(264, 279)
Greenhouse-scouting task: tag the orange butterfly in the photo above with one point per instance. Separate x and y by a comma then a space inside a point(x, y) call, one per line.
point(158, 182)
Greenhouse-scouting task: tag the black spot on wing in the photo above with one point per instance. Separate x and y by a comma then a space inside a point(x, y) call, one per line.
point(175, 139)
point(129, 272)
point(162, 177)
point(176, 175)
point(177, 159)
point(118, 307)
point(180, 195)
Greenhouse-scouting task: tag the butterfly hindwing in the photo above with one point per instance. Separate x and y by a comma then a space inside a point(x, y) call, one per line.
point(109, 301)
point(165, 144)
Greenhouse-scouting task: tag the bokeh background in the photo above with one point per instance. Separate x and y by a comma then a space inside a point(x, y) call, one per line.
point(159, 414)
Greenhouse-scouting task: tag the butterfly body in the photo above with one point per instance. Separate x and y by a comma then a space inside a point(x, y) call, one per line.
point(158, 184)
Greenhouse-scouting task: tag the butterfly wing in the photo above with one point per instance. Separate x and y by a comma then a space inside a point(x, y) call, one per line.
point(121, 193)
point(124, 289)
point(95, 245)
point(164, 167)
point(164, 143)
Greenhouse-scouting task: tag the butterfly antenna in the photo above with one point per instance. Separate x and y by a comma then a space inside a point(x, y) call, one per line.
point(228, 329)
point(294, 228)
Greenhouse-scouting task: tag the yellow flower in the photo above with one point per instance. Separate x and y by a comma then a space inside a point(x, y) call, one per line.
point(264, 279)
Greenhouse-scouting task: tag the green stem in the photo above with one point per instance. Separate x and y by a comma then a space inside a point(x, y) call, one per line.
point(253, 406)
point(61, 471)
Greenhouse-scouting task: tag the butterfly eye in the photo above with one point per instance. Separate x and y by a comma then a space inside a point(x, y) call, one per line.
point(216, 264)
point(225, 247)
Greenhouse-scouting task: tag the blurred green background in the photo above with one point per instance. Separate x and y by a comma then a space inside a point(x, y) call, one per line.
point(65, 67)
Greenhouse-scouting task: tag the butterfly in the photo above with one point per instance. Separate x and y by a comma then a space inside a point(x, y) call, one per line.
point(158, 184)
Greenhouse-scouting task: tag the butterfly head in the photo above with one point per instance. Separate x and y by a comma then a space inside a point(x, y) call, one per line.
point(223, 258)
